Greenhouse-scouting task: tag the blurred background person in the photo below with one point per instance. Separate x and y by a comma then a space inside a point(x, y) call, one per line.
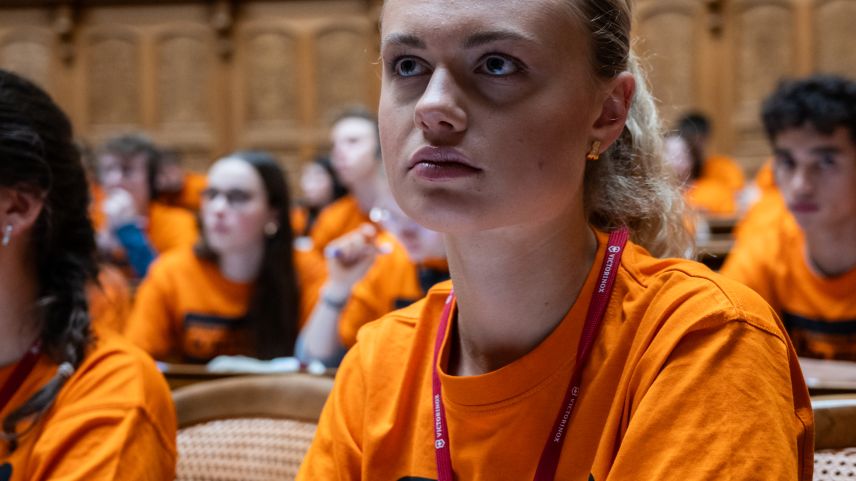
point(176, 185)
point(320, 187)
point(137, 227)
point(802, 260)
point(239, 291)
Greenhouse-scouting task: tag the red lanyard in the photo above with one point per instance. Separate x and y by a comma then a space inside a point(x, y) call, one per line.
point(549, 461)
point(19, 374)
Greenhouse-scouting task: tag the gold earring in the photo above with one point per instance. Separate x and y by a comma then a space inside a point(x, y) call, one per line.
point(594, 153)
point(271, 228)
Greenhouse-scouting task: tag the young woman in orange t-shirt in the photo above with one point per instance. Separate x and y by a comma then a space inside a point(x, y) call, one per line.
point(74, 406)
point(560, 349)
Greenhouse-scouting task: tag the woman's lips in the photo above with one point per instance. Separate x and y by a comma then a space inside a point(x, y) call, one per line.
point(804, 208)
point(441, 163)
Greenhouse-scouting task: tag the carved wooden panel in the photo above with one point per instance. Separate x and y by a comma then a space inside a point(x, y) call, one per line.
point(668, 45)
point(28, 51)
point(185, 69)
point(270, 78)
point(763, 53)
point(834, 50)
point(113, 90)
point(342, 65)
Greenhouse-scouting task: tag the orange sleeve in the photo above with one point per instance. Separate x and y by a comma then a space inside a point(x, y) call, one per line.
point(725, 171)
point(152, 320)
point(698, 403)
point(336, 450)
point(114, 422)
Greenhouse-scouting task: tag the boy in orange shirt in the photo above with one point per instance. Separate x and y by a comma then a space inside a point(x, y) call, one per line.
point(561, 349)
point(804, 262)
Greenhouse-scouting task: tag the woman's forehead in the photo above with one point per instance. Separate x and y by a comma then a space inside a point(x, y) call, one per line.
point(232, 172)
point(410, 20)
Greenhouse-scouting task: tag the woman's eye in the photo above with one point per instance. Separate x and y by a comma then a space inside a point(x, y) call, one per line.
point(408, 67)
point(498, 65)
point(827, 162)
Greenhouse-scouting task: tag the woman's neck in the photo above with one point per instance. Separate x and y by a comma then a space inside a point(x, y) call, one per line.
point(513, 288)
point(832, 253)
point(18, 316)
point(243, 265)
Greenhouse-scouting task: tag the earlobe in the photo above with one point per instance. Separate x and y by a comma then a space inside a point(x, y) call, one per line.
point(614, 109)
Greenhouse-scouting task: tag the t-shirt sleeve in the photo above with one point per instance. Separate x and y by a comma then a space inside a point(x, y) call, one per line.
point(729, 403)
point(336, 451)
point(151, 323)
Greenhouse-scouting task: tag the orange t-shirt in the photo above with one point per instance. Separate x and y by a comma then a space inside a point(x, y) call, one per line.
point(109, 300)
point(336, 220)
point(190, 195)
point(819, 312)
point(113, 420)
point(692, 377)
point(392, 282)
point(185, 310)
point(725, 171)
point(711, 197)
point(170, 227)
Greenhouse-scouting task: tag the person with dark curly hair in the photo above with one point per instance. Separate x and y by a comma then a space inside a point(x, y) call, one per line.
point(73, 406)
point(804, 264)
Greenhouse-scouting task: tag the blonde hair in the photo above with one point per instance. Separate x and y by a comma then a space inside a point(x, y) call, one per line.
point(630, 184)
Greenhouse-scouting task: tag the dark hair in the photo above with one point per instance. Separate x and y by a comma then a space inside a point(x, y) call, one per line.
point(824, 102)
point(693, 126)
point(339, 190)
point(274, 309)
point(37, 151)
point(127, 146)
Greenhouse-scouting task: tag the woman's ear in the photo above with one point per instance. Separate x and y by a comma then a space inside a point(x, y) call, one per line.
point(19, 208)
point(614, 110)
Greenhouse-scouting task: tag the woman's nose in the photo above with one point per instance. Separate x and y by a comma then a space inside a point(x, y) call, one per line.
point(439, 110)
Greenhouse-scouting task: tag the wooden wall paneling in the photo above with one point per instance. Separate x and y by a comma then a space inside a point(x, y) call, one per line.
point(670, 34)
point(343, 67)
point(29, 51)
point(112, 60)
point(763, 50)
point(834, 50)
point(188, 113)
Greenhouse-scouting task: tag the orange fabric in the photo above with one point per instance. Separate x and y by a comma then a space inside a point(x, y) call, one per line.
point(190, 195)
point(336, 220)
point(711, 197)
point(299, 217)
point(96, 213)
point(170, 227)
point(819, 312)
point(392, 282)
point(768, 211)
point(764, 179)
point(109, 300)
point(186, 310)
point(725, 171)
point(686, 362)
point(113, 420)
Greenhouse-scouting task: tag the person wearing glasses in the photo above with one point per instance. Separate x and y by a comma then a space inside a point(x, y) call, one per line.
point(568, 345)
point(238, 291)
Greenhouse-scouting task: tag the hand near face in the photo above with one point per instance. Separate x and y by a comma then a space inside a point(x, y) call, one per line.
point(120, 209)
point(349, 257)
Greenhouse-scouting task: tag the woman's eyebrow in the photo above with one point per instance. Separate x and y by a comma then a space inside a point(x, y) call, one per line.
point(482, 38)
point(402, 39)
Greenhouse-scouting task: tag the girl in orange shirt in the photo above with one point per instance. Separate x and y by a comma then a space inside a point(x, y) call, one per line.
point(237, 292)
point(560, 349)
point(73, 406)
